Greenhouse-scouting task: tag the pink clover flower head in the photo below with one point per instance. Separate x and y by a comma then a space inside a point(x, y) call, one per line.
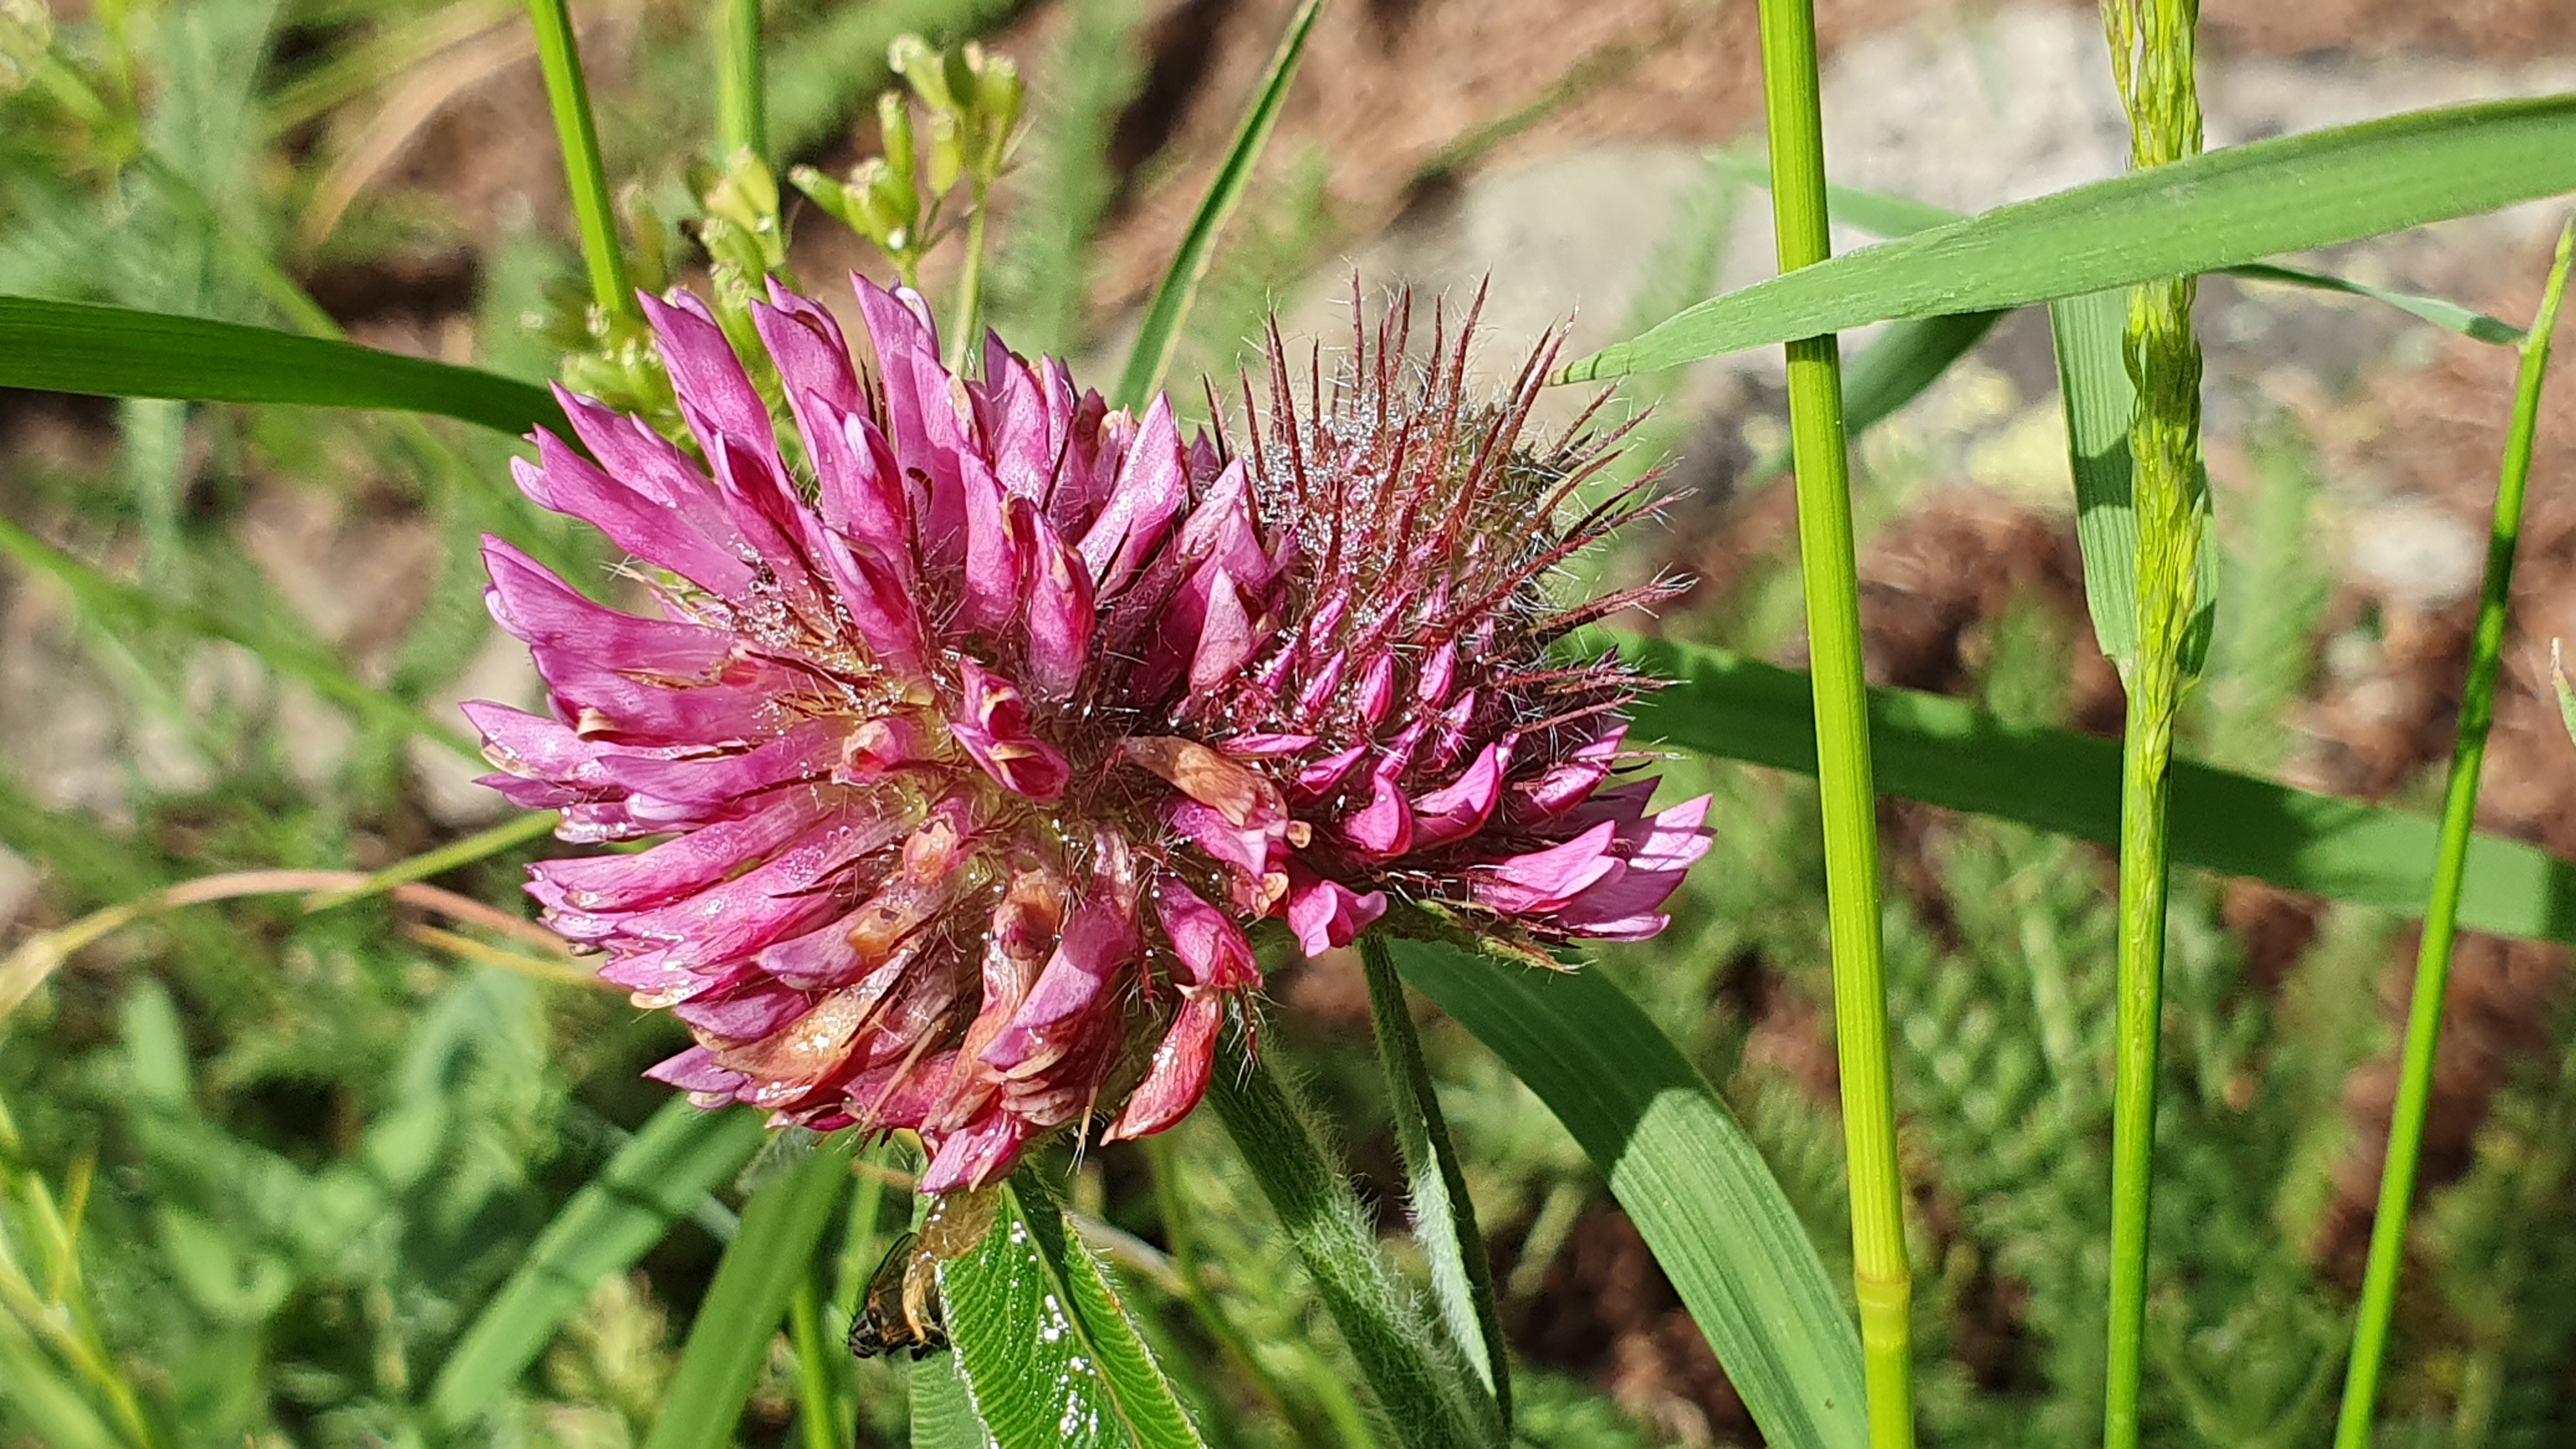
point(981, 721)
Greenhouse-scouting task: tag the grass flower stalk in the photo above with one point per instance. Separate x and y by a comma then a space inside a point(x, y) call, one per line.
point(1881, 1277)
point(2152, 46)
point(2441, 914)
point(585, 175)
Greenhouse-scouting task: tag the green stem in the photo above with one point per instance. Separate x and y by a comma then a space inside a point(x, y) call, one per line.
point(1309, 1190)
point(2433, 958)
point(1462, 1285)
point(584, 174)
point(970, 290)
point(1881, 1279)
point(742, 107)
point(2153, 54)
point(2146, 768)
point(817, 1404)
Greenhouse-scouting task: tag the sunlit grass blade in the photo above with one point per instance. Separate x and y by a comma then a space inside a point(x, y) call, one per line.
point(2231, 206)
point(81, 347)
point(1045, 1344)
point(652, 1182)
point(2441, 916)
point(585, 175)
point(1160, 336)
point(774, 1252)
point(1943, 752)
point(1893, 216)
point(1425, 1398)
point(1444, 1221)
point(45, 1401)
point(1694, 1185)
point(113, 601)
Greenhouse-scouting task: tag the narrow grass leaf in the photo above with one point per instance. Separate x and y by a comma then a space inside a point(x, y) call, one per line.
point(2099, 399)
point(45, 1401)
point(1425, 1398)
point(650, 1184)
point(1444, 1221)
point(943, 1412)
point(782, 1228)
point(1160, 336)
point(1045, 1343)
point(1693, 1183)
point(1892, 216)
point(81, 347)
point(2228, 207)
point(2475, 325)
point(1946, 753)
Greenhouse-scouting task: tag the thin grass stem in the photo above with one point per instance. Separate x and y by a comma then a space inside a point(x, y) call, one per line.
point(559, 55)
point(2433, 958)
point(1881, 1278)
point(2153, 46)
point(742, 101)
point(818, 1407)
point(970, 289)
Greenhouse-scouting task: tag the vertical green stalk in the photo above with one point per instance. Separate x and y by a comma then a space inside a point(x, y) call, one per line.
point(1879, 1272)
point(584, 174)
point(2152, 55)
point(818, 1402)
point(970, 288)
point(2441, 916)
point(742, 107)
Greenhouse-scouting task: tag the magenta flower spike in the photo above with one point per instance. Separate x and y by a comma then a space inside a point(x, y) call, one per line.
point(984, 722)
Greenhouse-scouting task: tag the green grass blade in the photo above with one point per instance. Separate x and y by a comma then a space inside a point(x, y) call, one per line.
point(2232, 206)
point(1444, 1221)
point(1892, 216)
point(1694, 1185)
point(782, 1227)
point(585, 176)
point(2378, 1308)
point(652, 1182)
point(1946, 753)
point(1160, 336)
point(2475, 325)
point(1045, 1344)
point(1424, 1398)
point(82, 347)
point(2100, 399)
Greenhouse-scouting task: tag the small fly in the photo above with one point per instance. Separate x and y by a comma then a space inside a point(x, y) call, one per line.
point(896, 1317)
point(902, 1310)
